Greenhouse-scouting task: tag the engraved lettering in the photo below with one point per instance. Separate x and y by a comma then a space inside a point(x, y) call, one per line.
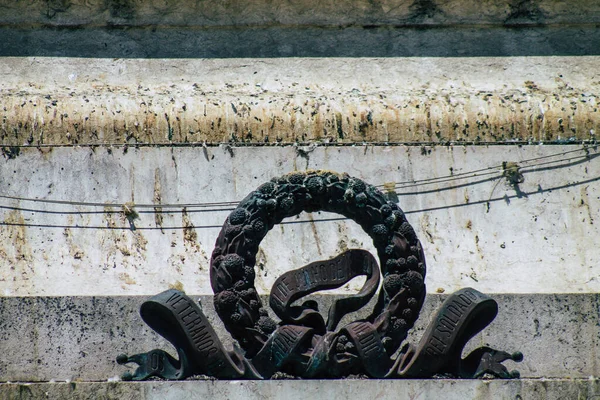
point(192, 323)
point(156, 362)
point(280, 293)
point(283, 289)
point(368, 343)
point(437, 344)
point(284, 342)
point(187, 307)
point(276, 294)
point(324, 272)
point(173, 296)
point(306, 278)
point(287, 283)
point(453, 310)
point(461, 305)
point(432, 351)
point(445, 326)
point(360, 328)
point(315, 271)
point(199, 332)
point(300, 280)
point(192, 313)
point(340, 271)
point(204, 345)
point(441, 339)
point(179, 300)
point(472, 295)
point(466, 299)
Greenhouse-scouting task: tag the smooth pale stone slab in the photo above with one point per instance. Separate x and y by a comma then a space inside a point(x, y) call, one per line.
point(476, 228)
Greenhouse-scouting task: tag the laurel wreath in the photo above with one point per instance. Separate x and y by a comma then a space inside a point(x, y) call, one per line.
point(401, 258)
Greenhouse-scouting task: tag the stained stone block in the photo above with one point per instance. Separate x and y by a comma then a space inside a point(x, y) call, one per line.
point(78, 338)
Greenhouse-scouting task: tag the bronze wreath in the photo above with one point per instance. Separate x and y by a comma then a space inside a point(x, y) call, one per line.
point(302, 343)
point(233, 259)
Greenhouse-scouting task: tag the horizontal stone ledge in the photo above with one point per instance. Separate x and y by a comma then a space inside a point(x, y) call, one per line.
point(78, 338)
point(99, 101)
point(530, 389)
point(304, 12)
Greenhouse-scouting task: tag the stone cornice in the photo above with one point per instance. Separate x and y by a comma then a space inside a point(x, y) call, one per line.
point(67, 101)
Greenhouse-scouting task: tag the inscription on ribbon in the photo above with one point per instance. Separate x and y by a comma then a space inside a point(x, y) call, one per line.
point(335, 272)
point(197, 329)
point(324, 275)
point(444, 332)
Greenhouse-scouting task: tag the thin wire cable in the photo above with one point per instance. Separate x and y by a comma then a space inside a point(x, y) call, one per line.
point(585, 142)
point(449, 179)
point(562, 160)
point(119, 205)
point(475, 175)
point(303, 221)
point(133, 227)
point(397, 185)
point(461, 174)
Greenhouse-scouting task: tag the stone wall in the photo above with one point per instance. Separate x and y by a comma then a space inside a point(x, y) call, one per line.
point(130, 129)
point(475, 226)
point(307, 28)
point(338, 13)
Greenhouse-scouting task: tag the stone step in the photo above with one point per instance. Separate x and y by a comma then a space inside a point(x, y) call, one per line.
point(530, 389)
point(77, 338)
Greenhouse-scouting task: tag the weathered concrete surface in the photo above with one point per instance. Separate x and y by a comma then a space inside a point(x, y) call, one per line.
point(128, 13)
point(84, 102)
point(530, 389)
point(302, 41)
point(477, 229)
point(306, 28)
point(78, 338)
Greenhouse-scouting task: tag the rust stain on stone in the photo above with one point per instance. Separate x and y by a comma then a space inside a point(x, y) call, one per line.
point(190, 237)
point(140, 243)
point(74, 250)
point(158, 217)
point(479, 250)
point(118, 240)
point(426, 228)
point(585, 202)
point(176, 285)
point(15, 252)
point(313, 227)
point(126, 278)
point(125, 241)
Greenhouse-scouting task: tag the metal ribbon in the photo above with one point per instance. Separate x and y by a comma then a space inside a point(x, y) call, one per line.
point(464, 314)
point(302, 351)
point(178, 319)
point(324, 275)
point(369, 348)
point(287, 342)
